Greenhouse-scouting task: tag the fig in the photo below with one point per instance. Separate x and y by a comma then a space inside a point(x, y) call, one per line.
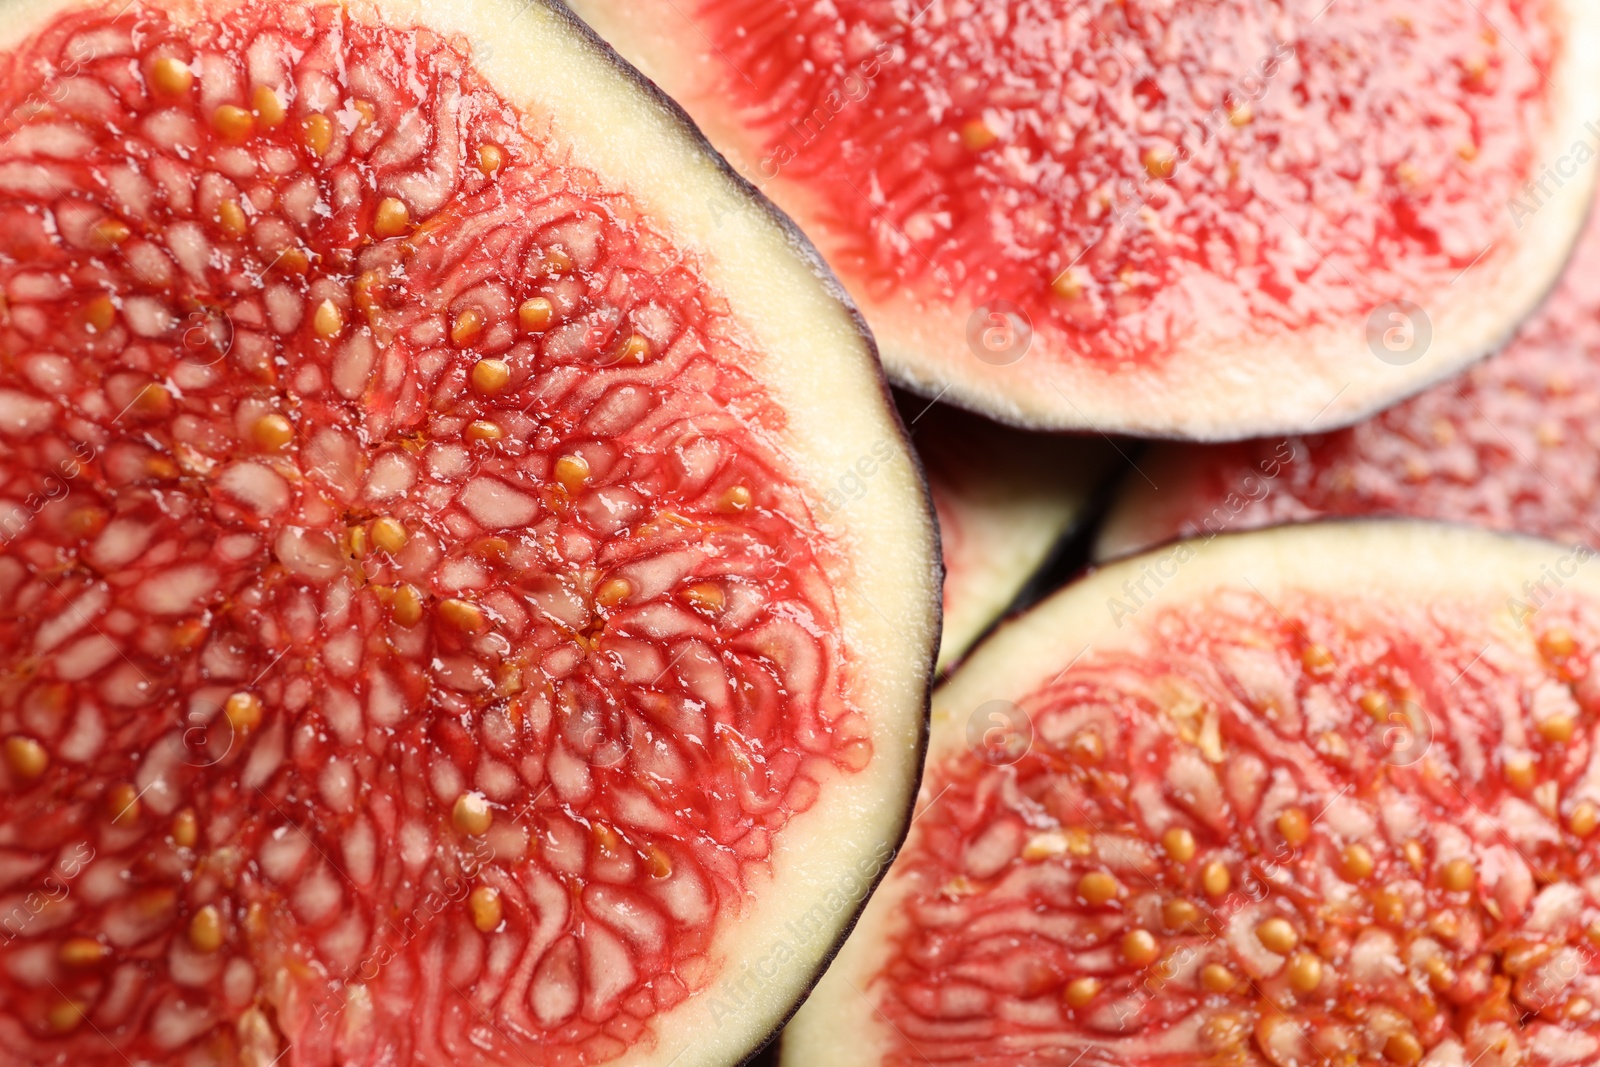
point(422, 643)
point(1006, 501)
point(1312, 794)
point(1185, 220)
point(1510, 445)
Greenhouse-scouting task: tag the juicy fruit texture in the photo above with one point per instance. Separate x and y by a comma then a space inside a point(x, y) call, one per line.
point(1313, 829)
point(1511, 445)
point(413, 642)
point(1123, 173)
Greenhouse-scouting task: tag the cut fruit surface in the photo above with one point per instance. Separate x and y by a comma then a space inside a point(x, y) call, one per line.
point(1190, 220)
point(1309, 795)
point(1511, 445)
point(423, 642)
point(1005, 499)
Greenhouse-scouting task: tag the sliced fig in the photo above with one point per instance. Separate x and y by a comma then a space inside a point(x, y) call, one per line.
point(1308, 795)
point(1005, 500)
point(1511, 445)
point(421, 643)
point(1183, 219)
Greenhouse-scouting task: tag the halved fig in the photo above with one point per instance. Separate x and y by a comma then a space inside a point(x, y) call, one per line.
point(1183, 220)
point(421, 644)
point(1322, 794)
point(1511, 445)
point(1005, 501)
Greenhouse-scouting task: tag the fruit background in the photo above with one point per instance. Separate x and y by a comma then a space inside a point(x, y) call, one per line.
point(965, 196)
point(428, 473)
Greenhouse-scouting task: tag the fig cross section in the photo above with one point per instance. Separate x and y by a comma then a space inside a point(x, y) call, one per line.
point(420, 642)
point(1293, 797)
point(1187, 220)
point(1509, 445)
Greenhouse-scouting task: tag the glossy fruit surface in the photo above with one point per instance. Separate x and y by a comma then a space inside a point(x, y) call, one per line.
point(1284, 797)
point(419, 644)
point(1184, 220)
point(1511, 445)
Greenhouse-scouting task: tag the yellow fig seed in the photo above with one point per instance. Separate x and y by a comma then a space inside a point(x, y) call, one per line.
point(389, 535)
point(171, 76)
point(185, 828)
point(232, 217)
point(268, 107)
point(205, 929)
point(487, 911)
point(1278, 934)
point(1317, 660)
point(707, 596)
point(1403, 1049)
point(613, 591)
point(122, 804)
point(243, 711)
point(1180, 914)
point(472, 814)
point(467, 326)
point(327, 320)
point(1356, 863)
point(82, 951)
point(463, 615)
point(1557, 643)
point(406, 605)
point(272, 433)
point(1305, 971)
point(317, 131)
point(977, 135)
point(1098, 888)
point(1080, 991)
point(1215, 879)
point(233, 122)
point(1140, 947)
point(1218, 979)
point(1457, 876)
point(392, 218)
point(1179, 844)
point(536, 314)
point(572, 472)
point(26, 757)
point(1558, 729)
point(1519, 771)
point(491, 375)
point(1294, 826)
